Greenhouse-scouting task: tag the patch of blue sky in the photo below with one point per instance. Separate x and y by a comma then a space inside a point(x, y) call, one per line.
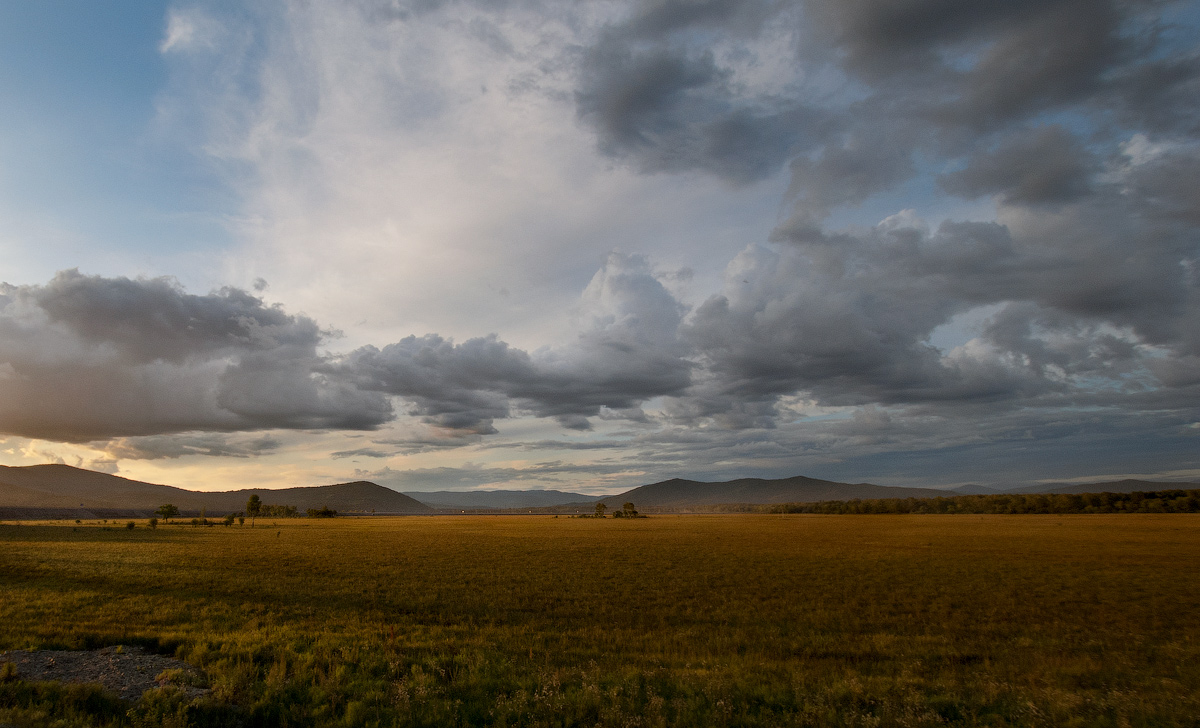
point(842, 414)
point(920, 193)
point(1179, 29)
point(79, 82)
point(962, 328)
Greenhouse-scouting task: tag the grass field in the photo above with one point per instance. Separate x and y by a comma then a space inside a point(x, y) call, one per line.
point(696, 620)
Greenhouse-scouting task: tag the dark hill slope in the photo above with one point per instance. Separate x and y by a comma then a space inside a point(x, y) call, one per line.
point(678, 493)
point(360, 496)
point(62, 486)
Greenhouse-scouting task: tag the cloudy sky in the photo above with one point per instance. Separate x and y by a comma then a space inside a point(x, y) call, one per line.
point(589, 245)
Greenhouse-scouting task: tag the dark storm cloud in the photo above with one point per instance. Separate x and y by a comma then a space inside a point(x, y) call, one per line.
point(453, 386)
point(1077, 117)
point(1041, 165)
point(917, 76)
point(669, 111)
point(148, 320)
point(85, 358)
point(848, 171)
point(1165, 181)
point(158, 447)
point(847, 317)
point(668, 103)
point(989, 60)
point(1161, 96)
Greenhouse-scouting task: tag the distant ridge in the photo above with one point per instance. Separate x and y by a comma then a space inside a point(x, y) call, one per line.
point(680, 493)
point(1128, 485)
point(59, 491)
point(974, 489)
point(499, 499)
point(65, 487)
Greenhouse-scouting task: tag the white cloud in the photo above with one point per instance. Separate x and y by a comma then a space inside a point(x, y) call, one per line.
point(189, 30)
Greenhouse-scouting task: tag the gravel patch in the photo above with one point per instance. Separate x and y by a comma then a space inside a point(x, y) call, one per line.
point(126, 671)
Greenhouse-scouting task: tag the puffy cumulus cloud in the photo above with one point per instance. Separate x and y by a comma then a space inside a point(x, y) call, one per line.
point(1090, 263)
point(87, 358)
point(1095, 298)
point(626, 352)
point(457, 386)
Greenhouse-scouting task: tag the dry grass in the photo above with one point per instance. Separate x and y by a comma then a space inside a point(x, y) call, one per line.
point(698, 620)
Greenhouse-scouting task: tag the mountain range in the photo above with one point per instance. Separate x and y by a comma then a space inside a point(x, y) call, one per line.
point(679, 493)
point(61, 487)
point(56, 491)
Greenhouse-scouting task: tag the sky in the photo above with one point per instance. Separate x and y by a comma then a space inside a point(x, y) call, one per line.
point(454, 244)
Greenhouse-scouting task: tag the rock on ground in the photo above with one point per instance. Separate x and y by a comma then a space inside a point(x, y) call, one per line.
point(126, 671)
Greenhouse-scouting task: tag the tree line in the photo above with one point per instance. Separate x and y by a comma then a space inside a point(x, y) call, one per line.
point(255, 508)
point(1160, 501)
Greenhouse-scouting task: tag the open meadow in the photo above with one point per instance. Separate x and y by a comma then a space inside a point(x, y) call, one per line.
point(694, 620)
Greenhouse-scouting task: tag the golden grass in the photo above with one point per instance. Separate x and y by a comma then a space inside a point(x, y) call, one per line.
point(695, 620)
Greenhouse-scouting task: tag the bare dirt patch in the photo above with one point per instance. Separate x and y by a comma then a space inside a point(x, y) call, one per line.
point(126, 671)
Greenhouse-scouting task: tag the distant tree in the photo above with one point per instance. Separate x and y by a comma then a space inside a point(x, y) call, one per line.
point(152, 523)
point(277, 511)
point(322, 512)
point(628, 510)
point(229, 519)
point(600, 509)
point(167, 511)
point(253, 507)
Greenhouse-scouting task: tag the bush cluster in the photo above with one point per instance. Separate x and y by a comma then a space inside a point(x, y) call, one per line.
point(1163, 501)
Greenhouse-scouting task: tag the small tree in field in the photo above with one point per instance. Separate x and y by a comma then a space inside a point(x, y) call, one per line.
point(253, 508)
point(600, 509)
point(629, 511)
point(167, 511)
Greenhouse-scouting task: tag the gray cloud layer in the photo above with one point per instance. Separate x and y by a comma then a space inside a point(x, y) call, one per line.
point(1077, 119)
point(85, 358)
